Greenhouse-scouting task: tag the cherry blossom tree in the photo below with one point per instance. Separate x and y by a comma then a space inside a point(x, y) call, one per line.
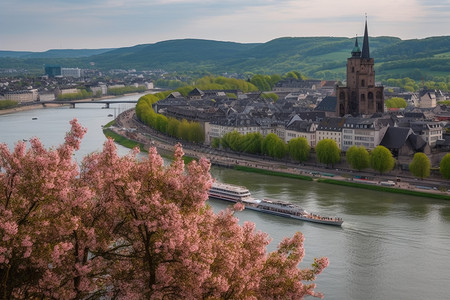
point(119, 227)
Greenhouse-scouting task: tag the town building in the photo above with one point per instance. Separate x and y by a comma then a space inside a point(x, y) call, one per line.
point(71, 72)
point(367, 132)
point(360, 96)
point(23, 96)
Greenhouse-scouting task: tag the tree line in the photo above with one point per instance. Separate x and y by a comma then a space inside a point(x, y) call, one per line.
point(327, 152)
point(185, 130)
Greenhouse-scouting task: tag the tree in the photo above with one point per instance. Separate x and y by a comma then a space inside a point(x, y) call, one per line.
point(358, 157)
point(420, 165)
point(395, 102)
point(232, 140)
point(444, 166)
point(381, 159)
point(274, 146)
point(131, 229)
point(251, 142)
point(328, 152)
point(299, 149)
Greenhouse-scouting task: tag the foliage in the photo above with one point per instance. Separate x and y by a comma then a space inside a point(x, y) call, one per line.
point(252, 143)
point(82, 94)
point(395, 102)
point(381, 159)
point(185, 130)
point(215, 143)
point(273, 146)
point(328, 152)
point(232, 140)
point(125, 90)
point(420, 165)
point(249, 143)
point(5, 104)
point(272, 96)
point(316, 57)
point(444, 166)
point(358, 157)
point(224, 83)
point(299, 149)
point(131, 229)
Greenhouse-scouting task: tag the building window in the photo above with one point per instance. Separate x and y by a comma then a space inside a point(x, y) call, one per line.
point(363, 83)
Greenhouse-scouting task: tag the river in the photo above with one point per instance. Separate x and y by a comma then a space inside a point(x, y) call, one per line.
point(390, 246)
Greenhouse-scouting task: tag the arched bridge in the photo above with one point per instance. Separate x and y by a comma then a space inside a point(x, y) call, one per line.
point(72, 104)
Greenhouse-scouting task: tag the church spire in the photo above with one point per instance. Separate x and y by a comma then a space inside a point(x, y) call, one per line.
point(356, 52)
point(365, 47)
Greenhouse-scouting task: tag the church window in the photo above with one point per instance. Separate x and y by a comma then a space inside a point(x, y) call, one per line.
point(363, 83)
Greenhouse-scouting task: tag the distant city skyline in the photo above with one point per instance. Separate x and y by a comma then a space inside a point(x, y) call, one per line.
point(40, 25)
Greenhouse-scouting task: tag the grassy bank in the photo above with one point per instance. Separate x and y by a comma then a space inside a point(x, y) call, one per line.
point(122, 140)
point(384, 189)
point(272, 173)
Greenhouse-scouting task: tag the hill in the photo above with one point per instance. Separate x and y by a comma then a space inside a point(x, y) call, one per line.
point(316, 57)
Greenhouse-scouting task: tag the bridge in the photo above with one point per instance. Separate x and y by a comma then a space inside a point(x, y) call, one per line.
point(72, 104)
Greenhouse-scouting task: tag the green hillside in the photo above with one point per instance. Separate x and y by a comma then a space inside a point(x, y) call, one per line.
point(316, 57)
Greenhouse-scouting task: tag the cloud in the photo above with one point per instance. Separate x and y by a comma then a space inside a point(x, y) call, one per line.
point(114, 23)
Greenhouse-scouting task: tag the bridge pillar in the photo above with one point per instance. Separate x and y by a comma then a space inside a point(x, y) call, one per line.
point(107, 104)
point(72, 105)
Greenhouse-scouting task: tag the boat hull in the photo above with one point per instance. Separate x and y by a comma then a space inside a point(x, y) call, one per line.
point(277, 208)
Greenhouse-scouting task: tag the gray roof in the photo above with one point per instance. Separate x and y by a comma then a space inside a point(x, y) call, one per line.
point(327, 104)
point(397, 137)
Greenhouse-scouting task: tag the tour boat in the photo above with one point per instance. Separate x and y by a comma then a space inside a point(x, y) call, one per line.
point(234, 193)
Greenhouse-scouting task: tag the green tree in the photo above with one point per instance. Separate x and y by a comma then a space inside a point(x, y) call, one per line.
point(420, 165)
point(272, 96)
point(299, 149)
point(260, 81)
point(328, 152)
point(358, 157)
point(172, 126)
point(444, 166)
point(232, 140)
point(274, 146)
point(215, 143)
point(251, 143)
point(395, 102)
point(183, 130)
point(196, 133)
point(381, 159)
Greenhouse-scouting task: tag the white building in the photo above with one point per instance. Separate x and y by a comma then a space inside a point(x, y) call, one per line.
point(367, 132)
point(23, 96)
point(71, 72)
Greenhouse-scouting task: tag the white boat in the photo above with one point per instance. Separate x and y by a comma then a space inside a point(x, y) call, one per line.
point(234, 193)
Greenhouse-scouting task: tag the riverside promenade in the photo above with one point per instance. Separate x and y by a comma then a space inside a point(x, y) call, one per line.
point(129, 126)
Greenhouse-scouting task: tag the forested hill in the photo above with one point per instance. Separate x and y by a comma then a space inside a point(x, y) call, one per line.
point(316, 57)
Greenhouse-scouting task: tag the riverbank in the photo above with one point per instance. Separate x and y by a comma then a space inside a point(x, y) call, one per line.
point(127, 126)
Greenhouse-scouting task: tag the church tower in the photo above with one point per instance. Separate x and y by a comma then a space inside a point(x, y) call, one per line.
point(360, 96)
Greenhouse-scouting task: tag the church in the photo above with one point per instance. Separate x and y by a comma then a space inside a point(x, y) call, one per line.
point(360, 96)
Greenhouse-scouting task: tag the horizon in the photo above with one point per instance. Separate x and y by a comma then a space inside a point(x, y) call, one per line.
point(38, 26)
point(180, 39)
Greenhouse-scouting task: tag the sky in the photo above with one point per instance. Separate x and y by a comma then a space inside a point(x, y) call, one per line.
point(40, 25)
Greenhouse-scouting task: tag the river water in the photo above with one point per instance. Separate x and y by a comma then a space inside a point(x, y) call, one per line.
point(390, 246)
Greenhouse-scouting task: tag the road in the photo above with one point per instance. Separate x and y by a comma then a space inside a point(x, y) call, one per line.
point(129, 126)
